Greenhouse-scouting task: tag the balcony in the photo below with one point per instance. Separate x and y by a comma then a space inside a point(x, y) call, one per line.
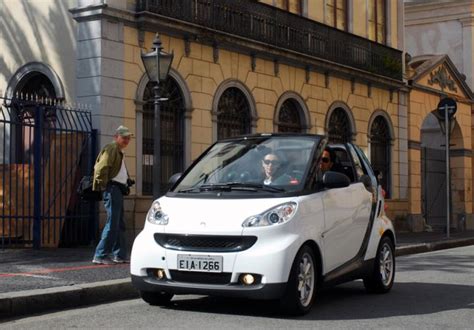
point(271, 26)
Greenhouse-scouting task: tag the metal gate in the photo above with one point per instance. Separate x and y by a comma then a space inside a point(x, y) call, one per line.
point(434, 187)
point(45, 149)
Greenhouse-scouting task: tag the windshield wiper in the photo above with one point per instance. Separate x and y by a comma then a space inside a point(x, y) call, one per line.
point(248, 186)
point(188, 190)
point(229, 186)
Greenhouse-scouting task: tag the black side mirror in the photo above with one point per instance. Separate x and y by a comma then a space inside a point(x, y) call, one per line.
point(335, 180)
point(365, 179)
point(173, 179)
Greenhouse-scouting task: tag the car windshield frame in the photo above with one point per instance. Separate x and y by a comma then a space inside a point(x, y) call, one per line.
point(234, 167)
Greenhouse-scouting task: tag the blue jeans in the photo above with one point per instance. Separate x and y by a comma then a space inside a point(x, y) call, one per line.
point(112, 240)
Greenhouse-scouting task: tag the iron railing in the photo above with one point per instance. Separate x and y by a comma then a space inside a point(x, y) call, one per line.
point(45, 149)
point(270, 25)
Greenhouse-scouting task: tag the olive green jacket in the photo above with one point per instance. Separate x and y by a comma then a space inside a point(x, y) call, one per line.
point(107, 166)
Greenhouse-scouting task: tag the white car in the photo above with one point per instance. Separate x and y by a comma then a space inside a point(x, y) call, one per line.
point(226, 228)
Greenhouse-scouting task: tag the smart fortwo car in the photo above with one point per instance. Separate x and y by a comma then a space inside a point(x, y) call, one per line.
point(225, 229)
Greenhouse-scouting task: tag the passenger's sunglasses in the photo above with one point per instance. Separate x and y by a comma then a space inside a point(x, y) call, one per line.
point(325, 160)
point(269, 161)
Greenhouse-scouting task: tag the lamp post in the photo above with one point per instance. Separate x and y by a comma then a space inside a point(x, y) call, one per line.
point(157, 65)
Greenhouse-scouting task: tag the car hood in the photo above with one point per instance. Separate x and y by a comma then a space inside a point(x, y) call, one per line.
point(212, 216)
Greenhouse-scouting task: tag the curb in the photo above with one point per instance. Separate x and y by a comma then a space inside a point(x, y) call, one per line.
point(402, 250)
point(36, 301)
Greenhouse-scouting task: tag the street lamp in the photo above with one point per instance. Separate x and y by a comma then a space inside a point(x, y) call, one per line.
point(157, 65)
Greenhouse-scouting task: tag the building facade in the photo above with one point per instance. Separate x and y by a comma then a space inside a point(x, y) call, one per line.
point(442, 27)
point(439, 39)
point(247, 67)
point(325, 67)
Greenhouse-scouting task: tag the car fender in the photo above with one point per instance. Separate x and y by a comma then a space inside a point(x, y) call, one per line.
point(382, 226)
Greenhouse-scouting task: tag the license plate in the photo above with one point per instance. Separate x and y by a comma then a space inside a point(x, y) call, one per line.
point(193, 263)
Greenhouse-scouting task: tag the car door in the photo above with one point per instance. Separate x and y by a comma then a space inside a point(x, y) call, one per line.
point(347, 213)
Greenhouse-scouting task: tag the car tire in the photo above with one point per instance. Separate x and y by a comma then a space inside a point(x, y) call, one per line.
point(156, 298)
point(383, 274)
point(300, 290)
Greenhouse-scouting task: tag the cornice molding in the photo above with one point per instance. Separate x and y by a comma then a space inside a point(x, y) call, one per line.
point(90, 13)
point(411, 7)
point(437, 19)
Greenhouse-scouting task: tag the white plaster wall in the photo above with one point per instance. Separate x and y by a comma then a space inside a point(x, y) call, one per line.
point(436, 38)
point(41, 31)
point(442, 27)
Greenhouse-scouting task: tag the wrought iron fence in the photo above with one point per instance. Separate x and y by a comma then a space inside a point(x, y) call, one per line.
point(45, 149)
point(271, 25)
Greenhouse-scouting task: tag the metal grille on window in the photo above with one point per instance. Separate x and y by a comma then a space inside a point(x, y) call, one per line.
point(172, 134)
point(339, 128)
point(233, 114)
point(289, 119)
point(380, 151)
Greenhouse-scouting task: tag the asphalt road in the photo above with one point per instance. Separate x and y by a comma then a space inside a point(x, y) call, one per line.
point(432, 291)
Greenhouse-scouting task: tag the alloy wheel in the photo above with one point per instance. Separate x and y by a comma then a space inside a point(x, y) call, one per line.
point(386, 264)
point(306, 279)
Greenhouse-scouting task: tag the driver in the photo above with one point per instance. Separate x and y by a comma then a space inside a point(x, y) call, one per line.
point(273, 165)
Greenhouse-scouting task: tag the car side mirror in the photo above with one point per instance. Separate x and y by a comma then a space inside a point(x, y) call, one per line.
point(335, 180)
point(173, 179)
point(365, 179)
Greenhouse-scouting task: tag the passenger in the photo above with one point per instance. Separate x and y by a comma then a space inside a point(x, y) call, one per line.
point(328, 162)
point(273, 166)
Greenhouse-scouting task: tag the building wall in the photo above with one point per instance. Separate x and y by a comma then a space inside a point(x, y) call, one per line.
point(38, 31)
point(203, 77)
point(421, 104)
point(442, 27)
point(112, 74)
point(99, 64)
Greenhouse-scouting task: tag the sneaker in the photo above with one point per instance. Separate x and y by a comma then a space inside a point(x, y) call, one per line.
point(102, 261)
point(119, 260)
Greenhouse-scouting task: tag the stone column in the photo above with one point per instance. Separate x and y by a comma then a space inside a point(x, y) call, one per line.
point(107, 71)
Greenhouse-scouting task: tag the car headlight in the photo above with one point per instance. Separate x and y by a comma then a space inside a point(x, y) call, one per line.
point(156, 215)
point(274, 216)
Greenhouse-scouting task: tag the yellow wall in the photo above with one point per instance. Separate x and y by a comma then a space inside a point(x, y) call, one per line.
point(203, 77)
point(315, 10)
point(422, 103)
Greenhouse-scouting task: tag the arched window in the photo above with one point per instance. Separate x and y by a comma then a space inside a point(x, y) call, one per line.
point(32, 86)
point(339, 127)
point(233, 114)
point(289, 118)
point(36, 84)
point(172, 134)
point(380, 151)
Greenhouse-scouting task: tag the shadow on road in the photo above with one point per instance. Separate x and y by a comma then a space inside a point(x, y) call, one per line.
point(349, 302)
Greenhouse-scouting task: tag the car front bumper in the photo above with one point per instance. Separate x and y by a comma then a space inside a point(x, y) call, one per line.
point(258, 291)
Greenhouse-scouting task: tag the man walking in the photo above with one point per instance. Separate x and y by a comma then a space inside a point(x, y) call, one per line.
point(111, 177)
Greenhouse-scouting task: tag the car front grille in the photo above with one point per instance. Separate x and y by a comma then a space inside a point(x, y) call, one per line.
point(205, 243)
point(200, 277)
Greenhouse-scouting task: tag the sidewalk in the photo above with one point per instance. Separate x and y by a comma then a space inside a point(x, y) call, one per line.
point(34, 281)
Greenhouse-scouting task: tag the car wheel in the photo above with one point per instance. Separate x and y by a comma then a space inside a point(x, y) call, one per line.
point(156, 298)
point(383, 275)
point(300, 289)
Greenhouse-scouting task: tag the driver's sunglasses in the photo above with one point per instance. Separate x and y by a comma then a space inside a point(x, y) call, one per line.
point(273, 162)
point(325, 160)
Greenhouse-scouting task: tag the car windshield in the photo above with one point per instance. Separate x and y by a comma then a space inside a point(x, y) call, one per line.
point(252, 164)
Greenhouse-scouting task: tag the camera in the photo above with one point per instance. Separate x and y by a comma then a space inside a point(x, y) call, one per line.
point(130, 182)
